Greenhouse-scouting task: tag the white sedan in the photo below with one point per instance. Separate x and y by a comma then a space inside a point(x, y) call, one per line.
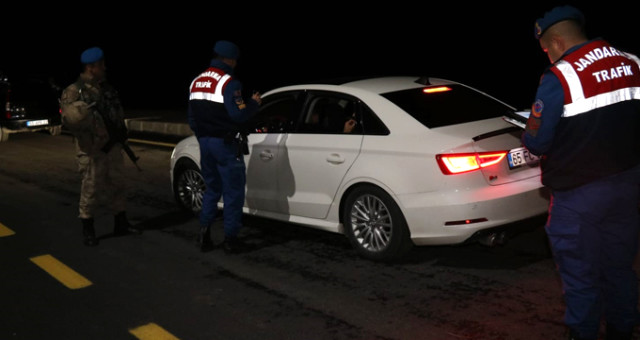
point(390, 162)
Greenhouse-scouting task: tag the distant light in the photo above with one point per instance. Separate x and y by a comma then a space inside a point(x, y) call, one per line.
point(436, 89)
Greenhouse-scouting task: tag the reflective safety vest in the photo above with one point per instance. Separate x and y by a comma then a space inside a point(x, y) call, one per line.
point(209, 85)
point(595, 76)
point(598, 133)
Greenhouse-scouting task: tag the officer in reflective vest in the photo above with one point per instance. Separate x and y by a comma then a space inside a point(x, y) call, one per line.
point(585, 125)
point(216, 114)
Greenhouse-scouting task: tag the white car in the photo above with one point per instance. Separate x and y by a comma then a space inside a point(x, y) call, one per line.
point(430, 162)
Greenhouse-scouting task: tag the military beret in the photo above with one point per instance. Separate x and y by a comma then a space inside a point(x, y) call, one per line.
point(226, 49)
point(556, 15)
point(91, 55)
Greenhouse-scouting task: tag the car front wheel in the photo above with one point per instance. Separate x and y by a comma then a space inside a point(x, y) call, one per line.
point(188, 186)
point(375, 225)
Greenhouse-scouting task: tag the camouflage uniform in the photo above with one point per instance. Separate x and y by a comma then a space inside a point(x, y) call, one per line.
point(102, 172)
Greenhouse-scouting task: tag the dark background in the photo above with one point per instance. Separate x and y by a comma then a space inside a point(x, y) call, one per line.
point(154, 52)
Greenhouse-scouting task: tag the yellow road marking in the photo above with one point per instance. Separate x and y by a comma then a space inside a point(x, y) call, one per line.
point(4, 231)
point(152, 331)
point(61, 272)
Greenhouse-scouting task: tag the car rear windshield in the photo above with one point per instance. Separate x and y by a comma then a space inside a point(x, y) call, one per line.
point(447, 105)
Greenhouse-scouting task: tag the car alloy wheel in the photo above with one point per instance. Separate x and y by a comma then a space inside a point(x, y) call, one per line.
point(375, 225)
point(189, 188)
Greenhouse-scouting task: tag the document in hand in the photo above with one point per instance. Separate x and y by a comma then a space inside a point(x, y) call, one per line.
point(517, 118)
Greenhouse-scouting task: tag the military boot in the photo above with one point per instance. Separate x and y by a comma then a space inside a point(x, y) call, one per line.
point(89, 232)
point(122, 225)
point(204, 239)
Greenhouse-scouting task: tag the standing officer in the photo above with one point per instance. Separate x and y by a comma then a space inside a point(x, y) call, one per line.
point(216, 115)
point(91, 110)
point(585, 123)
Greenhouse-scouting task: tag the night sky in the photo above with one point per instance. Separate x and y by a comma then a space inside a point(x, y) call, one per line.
point(152, 54)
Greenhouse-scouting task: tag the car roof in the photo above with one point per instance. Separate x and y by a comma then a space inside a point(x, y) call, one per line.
point(376, 85)
point(391, 84)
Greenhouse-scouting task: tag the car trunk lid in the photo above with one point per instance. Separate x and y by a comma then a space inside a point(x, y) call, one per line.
point(518, 163)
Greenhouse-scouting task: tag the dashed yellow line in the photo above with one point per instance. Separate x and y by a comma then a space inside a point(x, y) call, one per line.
point(61, 272)
point(152, 331)
point(4, 231)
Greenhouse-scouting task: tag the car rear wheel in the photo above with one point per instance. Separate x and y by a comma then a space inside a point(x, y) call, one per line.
point(375, 225)
point(188, 186)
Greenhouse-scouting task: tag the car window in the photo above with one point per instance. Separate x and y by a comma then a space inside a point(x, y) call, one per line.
point(324, 115)
point(371, 124)
point(455, 104)
point(278, 113)
point(332, 113)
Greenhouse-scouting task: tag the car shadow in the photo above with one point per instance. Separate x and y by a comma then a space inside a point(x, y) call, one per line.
point(167, 220)
point(522, 248)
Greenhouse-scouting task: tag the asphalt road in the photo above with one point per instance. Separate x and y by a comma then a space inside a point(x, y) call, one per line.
point(297, 283)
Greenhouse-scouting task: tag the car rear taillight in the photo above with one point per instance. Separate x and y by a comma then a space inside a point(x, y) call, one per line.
point(458, 163)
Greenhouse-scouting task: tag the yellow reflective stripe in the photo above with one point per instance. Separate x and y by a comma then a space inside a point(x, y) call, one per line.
point(152, 332)
point(61, 272)
point(4, 231)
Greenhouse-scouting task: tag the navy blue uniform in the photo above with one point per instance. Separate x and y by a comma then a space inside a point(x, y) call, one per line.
point(216, 113)
point(585, 125)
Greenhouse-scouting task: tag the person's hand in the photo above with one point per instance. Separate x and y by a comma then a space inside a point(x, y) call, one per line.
point(256, 96)
point(349, 125)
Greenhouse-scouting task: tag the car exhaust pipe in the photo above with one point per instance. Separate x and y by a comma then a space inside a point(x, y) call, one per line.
point(493, 239)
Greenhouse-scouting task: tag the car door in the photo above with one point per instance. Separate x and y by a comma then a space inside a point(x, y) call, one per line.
point(314, 158)
point(277, 115)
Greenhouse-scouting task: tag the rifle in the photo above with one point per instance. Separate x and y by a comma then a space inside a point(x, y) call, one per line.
point(125, 147)
point(132, 156)
point(116, 135)
point(119, 135)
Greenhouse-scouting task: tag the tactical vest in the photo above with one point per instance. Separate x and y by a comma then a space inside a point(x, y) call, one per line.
point(82, 120)
point(599, 131)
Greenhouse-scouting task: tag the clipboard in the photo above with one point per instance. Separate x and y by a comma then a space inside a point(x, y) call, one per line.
point(517, 118)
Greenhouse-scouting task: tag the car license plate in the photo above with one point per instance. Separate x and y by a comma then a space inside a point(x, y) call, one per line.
point(38, 122)
point(521, 156)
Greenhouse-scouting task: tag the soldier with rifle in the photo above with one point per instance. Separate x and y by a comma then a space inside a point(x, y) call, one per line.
point(92, 111)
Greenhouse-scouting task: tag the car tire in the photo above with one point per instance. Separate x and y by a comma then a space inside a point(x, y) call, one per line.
point(374, 224)
point(4, 134)
point(188, 186)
